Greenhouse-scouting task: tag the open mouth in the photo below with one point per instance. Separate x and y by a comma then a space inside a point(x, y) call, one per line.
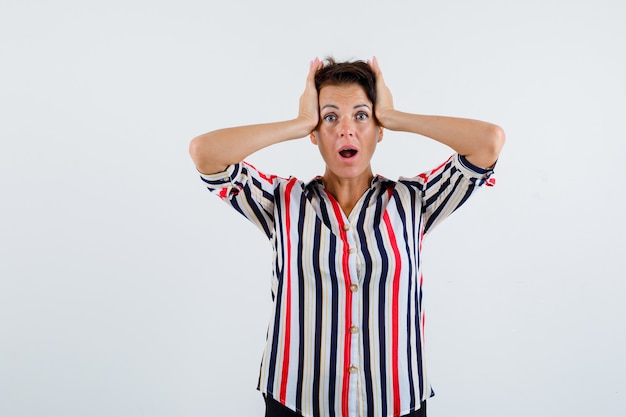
point(348, 153)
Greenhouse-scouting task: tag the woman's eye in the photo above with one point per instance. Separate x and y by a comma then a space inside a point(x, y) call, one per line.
point(362, 116)
point(330, 117)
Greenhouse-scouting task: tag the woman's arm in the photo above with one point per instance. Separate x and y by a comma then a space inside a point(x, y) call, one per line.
point(212, 152)
point(480, 142)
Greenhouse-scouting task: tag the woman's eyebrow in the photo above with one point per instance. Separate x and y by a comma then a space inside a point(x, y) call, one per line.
point(334, 106)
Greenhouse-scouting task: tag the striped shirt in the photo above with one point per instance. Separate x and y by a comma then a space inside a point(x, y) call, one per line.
point(346, 334)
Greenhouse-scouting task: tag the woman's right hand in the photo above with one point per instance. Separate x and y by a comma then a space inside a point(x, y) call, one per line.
point(213, 151)
point(308, 112)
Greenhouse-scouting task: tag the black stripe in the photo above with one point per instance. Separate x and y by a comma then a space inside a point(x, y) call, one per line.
point(413, 183)
point(278, 271)
point(334, 295)
point(411, 281)
point(220, 182)
point(257, 184)
point(468, 192)
point(417, 240)
point(479, 170)
point(318, 319)
point(382, 280)
point(443, 205)
point(324, 210)
point(237, 207)
point(448, 169)
point(334, 325)
point(417, 291)
point(443, 187)
point(257, 213)
point(213, 183)
point(301, 306)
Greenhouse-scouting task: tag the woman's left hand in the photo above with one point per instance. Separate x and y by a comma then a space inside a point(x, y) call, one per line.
point(383, 108)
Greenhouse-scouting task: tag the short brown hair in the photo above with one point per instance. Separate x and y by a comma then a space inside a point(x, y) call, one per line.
point(338, 73)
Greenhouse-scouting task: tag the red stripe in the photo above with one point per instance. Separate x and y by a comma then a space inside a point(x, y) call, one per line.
point(268, 178)
point(441, 166)
point(285, 366)
point(424, 176)
point(394, 316)
point(347, 281)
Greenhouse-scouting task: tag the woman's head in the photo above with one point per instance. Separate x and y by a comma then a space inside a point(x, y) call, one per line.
point(348, 131)
point(342, 73)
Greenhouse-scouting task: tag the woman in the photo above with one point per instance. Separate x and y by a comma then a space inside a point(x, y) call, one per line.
point(346, 333)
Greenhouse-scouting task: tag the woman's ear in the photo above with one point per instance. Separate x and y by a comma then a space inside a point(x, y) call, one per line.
point(380, 133)
point(313, 138)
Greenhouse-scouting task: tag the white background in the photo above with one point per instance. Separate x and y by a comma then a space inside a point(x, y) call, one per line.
point(127, 290)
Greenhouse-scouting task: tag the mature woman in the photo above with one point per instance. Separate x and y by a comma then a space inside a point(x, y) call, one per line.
point(346, 333)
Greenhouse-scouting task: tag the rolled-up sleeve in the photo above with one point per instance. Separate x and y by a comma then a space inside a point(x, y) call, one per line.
point(447, 187)
point(482, 176)
point(248, 191)
point(218, 182)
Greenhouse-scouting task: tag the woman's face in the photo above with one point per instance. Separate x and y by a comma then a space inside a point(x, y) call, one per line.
point(347, 133)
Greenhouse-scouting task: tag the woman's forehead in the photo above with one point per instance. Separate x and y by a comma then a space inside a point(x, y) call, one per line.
point(343, 94)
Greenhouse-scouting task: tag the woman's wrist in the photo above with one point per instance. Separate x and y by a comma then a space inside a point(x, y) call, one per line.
point(390, 119)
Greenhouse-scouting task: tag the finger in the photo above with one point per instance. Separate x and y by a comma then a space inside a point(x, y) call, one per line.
point(375, 66)
point(315, 66)
point(311, 70)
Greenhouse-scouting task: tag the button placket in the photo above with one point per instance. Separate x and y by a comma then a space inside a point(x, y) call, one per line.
point(354, 329)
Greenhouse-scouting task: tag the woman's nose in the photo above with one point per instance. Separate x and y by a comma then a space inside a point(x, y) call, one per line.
point(346, 129)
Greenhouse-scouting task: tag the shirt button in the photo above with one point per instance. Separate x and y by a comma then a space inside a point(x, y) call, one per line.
point(352, 250)
point(226, 179)
point(354, 329)
point(353, 369)
point(354, 287)
point(346, 227)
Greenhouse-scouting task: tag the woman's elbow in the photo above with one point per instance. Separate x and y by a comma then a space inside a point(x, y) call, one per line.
point(497, 139)
point(488, 149)
point(195, 150)
point(200, 154)
point(494, 143)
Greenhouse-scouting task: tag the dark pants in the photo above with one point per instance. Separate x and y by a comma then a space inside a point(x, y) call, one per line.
point(275, 409)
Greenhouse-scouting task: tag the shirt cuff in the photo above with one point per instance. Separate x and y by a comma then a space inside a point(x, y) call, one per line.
point(482, 175)
point(222, 179)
